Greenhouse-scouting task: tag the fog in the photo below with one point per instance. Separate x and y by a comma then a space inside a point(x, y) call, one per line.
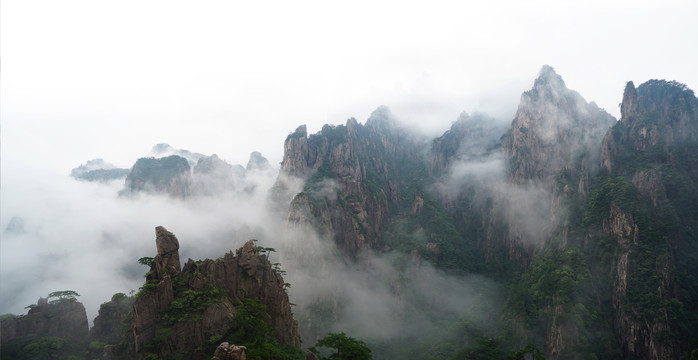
point(84, 80)
point(84, 236)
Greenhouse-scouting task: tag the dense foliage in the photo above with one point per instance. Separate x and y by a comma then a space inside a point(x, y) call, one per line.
point(342, 347)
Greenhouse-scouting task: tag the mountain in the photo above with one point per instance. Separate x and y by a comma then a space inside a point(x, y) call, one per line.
point(257, 162)
point(556, 206)
point(164, 150)
point(213, 176)
point(561, 232)
point(554, 128)
point(469, 137)
point(192, 174)
point(185, 312)
point(648, 205)
point(351, 174)
point(98, 170)
point(170, 175)
point(180, 312)
point(50, 329)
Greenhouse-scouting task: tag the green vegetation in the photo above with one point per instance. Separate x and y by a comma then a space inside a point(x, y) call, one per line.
point(189, 304)
point(252, 331)
point(147, 261)
point(343, 348)
point(63, 296)
point(43, 347)
point(157, 172)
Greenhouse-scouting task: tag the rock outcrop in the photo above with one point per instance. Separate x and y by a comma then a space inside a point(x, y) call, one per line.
point(170, 175)
point(554, 129)
point(257, 162)
point(226, 351)
point(109, 323)
point(651, 147)
point(166, 262)
point(179, 310)
point(657, 117)
point(469, 138)
point(351, 173)
point(64, 319)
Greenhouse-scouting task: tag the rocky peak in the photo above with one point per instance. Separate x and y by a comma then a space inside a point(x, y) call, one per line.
point(257, 162)
point(469, 137)
point(296, 153)
point(65, 319)
point(548, 81)
point(171, 175)
point(209, 164)
point(629, 106)
point(355, 169)
point(381, 119)
point(658, 118)
point(554, 129)
point(109, 323)
point(179, 312)
point(248, 257)
point(213, 176)
point(167, 260)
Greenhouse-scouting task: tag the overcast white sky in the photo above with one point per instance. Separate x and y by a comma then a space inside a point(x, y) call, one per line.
point(110, 79)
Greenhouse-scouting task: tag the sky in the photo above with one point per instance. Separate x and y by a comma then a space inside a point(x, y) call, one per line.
point(110, 79)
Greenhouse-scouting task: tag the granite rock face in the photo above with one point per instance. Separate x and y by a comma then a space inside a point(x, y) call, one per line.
point(354, 169)
point(109, 323)
point(213, 290)
point(227, 351)
point(166, 262)
point(63, 319)
point(652, 146)
point(552, 128)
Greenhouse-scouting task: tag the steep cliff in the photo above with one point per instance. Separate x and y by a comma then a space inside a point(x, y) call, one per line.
point(51, 329)
point(354, 178)
point(60, 318)
point(657, 119)
point(554, 129)
point(470, 137)
point(650, 198)
point(187, 311)
point(110, 320)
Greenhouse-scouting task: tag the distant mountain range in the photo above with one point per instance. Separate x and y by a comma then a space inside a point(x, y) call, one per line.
point(588, 224)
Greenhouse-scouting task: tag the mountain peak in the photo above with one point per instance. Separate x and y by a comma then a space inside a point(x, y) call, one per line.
point(547, 77)
point(382, 117)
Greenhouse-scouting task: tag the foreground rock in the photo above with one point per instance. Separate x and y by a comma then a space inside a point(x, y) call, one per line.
point(182, 311)
point(226, 351)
